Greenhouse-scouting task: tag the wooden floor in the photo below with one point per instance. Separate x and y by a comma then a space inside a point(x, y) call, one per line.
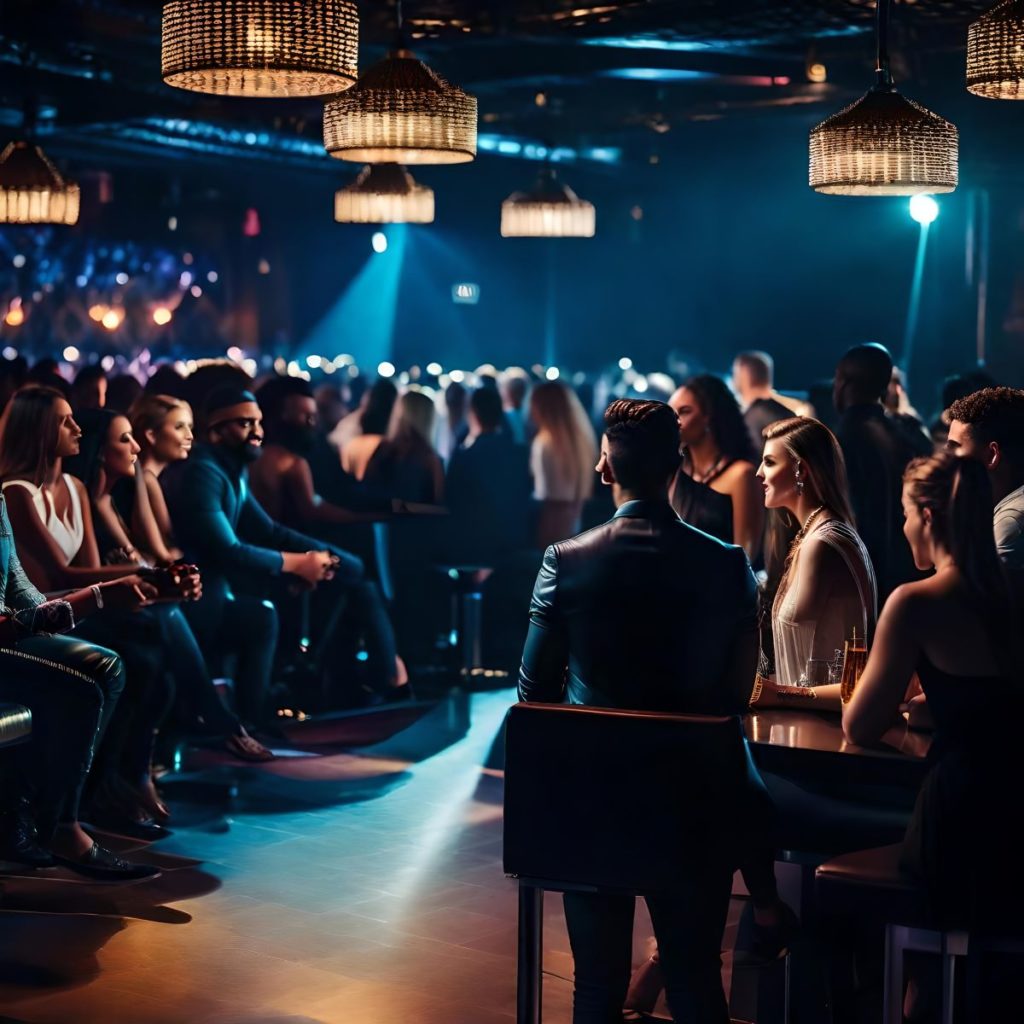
point(356, 887)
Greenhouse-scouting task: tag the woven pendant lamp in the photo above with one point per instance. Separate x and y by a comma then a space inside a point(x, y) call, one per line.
point(995, 53)
point(884, 144)
point(401, 111)
point(32, 190)
point(549, 210)
point(384, 194)
point(260, 47)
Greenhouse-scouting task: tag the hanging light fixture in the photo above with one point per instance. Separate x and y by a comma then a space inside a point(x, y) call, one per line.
point(384, 194)
point(401, 111)
point(995, 53)
point(32, 190)
point(884, 144)
point(260, 47)
point(549, 210)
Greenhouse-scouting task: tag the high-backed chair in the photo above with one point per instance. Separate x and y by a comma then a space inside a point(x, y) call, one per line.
point(614, 801)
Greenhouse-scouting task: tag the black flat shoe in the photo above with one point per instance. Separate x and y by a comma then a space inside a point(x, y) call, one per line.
point(19, 846)
point(105, 866)
point(145, 829)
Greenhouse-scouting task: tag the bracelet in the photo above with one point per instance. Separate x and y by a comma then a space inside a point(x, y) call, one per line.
point(796, 693)
point(755, 693)
point(97, 596)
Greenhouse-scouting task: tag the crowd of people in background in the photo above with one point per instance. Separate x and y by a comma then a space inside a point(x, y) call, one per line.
point(157, 535)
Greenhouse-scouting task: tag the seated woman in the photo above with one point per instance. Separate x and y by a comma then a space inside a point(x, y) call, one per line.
point(71, 688)
point(562, 458)
point(405, 464)
point(163, 428)
point(825, 582)
point(956, 631)
point(715, 488)
point(108, 458)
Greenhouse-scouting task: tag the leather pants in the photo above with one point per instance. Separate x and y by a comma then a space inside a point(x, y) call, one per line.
point(71, 688)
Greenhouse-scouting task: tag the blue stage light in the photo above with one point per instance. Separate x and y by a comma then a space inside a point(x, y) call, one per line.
point(924, 209)
point(379, 241)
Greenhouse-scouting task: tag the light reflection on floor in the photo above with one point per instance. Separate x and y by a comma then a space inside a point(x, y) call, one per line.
point(354, 888)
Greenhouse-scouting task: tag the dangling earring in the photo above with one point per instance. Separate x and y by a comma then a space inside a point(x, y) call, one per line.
point(799, 482)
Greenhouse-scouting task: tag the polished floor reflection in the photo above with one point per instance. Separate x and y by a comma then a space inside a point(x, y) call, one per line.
point(358, 886)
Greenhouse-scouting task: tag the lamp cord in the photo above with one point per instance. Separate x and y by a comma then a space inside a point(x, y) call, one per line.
point(882, 38)
point(399, 26)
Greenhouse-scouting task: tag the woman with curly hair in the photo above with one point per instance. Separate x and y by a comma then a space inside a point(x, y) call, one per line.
point(715, 488)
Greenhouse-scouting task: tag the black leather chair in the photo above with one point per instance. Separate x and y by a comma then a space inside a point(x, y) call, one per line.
point(614, 801)
point(15, 724)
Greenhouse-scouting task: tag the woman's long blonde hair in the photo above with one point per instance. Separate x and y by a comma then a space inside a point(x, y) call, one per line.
point(562, 420)
point(823, 467)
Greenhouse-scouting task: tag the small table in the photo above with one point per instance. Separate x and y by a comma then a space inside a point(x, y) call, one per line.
point(811, 744)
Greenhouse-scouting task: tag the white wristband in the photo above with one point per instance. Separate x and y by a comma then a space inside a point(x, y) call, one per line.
point(97, 595)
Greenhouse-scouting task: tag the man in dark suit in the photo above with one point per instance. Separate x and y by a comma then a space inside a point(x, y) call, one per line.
point(245, 555)
point(876, 452)
point(644, 612)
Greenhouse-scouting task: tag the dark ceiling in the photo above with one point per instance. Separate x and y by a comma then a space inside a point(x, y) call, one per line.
point(617, 76)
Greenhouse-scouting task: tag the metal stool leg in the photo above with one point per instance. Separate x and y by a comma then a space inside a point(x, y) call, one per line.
point(948, 980)
point(892, 997)
point(531, 950)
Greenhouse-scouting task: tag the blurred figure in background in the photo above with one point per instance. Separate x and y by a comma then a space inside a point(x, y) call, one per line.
point(876, 452)
point(514, 385)
point(373, 426)
point(452, 427)
point(488, 487)
point(562, 459)
point(89, 390)
point(954, 387)
point(752, 380)
point(715, 489)
point(122, 391)
point(903, 414)
point(404, 465)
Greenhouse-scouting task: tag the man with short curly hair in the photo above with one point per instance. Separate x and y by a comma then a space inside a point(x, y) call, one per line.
point(989, 426)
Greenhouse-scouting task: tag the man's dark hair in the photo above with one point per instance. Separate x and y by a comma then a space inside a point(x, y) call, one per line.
point(224, 397)
point(865, 371)
point(994, 414)
point(273, 394)
point(486, 405)
point(643, 443)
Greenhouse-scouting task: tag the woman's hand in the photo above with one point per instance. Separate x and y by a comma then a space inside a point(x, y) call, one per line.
point(917, 714)
point(129, 593)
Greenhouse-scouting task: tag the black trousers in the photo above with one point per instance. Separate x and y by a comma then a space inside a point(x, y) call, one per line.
point(233, 622)
point(688, 926)
point(71, 687)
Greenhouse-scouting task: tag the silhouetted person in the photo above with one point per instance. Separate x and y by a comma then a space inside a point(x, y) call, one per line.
point(488, 486)
point(876, 453)
point(89, 390)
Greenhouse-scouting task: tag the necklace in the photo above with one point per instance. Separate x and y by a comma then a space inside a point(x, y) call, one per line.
point(710, 474)
point(802, 532)
point(793, 548)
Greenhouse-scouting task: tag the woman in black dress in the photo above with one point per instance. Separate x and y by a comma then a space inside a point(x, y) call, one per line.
point(715, 488)
point(955, 631)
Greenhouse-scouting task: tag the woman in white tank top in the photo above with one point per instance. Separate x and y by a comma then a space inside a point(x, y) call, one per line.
point(68, 530)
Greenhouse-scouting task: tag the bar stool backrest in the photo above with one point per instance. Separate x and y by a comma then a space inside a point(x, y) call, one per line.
point(621, 800)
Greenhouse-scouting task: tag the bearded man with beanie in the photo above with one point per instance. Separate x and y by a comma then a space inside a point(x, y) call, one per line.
point(246, 555)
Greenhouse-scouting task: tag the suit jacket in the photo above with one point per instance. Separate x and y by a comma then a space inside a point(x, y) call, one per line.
point(226, 531)
point(643, 612)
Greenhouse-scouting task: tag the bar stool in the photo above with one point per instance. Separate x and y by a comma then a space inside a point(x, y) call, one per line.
point(467, 599)
point(872, 880)
point(573, 789)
